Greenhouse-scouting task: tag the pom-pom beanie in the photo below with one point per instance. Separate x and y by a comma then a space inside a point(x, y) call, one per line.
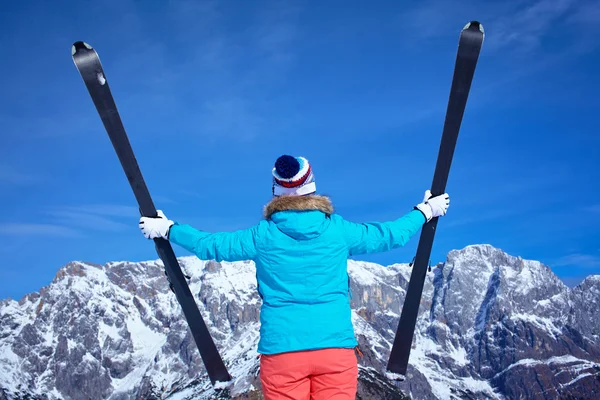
point(292, 176)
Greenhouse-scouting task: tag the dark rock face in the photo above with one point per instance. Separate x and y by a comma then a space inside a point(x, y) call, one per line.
point(491, 326)
point(372, 386)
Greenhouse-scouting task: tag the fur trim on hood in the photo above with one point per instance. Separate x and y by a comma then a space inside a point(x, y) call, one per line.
point(298, 203)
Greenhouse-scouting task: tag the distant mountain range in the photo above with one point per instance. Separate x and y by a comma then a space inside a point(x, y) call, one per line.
point(491, 326)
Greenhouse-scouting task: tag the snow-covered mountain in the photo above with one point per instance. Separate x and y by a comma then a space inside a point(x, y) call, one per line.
point(491, 326)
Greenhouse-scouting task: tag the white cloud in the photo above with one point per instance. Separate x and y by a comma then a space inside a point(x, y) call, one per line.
point(588, 13)
point(579, 260)
point(593, 209)
point(525, 27)
point(113, 210)
point(73, 221)
point(506, 23)
point(11, 176)
point(97, 217)
point(27, 229)
point(219, 82)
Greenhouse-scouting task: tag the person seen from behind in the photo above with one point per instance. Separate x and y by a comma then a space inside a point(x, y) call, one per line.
point(300, 249)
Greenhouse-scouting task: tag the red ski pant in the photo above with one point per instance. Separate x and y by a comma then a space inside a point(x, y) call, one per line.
point(330, 374)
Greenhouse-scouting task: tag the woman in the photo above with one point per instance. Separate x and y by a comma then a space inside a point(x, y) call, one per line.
point(301, 249)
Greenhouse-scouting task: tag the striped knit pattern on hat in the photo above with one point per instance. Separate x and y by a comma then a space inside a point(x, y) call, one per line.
point(293, 176)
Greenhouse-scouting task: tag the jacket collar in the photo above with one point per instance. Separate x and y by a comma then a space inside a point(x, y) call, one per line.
point(298, 203)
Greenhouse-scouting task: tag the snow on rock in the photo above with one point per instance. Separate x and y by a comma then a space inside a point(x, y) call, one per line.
point(490, 325)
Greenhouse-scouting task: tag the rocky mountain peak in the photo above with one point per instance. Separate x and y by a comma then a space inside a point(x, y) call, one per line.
point(490, 325)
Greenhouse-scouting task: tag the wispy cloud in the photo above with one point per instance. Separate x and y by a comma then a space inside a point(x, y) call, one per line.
point(11, 176)
point(579, 260)
point(192, 193)
point(98, 217)
point(229, 115)
point(73, 221)
point(587, 13)
point(475, 182)
point(158, 199)
point(111, 210)
point(221, 83)
point(251, 65)
point(525, 27)
point(515, 35)
point(274, 33)
point(477, 219)
point(435, 18)
point(593, 209)
point(26, 229)
point(55, 125)
point(88, 221)
point(506, 23)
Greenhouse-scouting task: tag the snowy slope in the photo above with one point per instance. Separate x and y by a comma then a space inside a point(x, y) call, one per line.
point(490, 326)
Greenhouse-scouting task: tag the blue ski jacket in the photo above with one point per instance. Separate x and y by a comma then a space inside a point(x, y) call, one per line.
point(301, 251)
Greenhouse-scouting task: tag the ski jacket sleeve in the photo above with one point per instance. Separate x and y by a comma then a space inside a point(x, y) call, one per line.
point(374, 237)
point(239, 245)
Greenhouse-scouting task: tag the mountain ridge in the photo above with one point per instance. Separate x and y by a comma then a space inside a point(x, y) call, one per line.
point(491, 325)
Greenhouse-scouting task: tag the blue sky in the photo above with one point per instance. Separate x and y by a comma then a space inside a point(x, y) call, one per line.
point(211, 92)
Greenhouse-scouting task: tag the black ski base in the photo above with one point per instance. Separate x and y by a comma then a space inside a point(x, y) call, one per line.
point(88, 64)
point(469, 46)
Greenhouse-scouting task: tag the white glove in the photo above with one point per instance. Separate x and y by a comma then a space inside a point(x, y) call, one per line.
point(433, 207)
point(156, 227)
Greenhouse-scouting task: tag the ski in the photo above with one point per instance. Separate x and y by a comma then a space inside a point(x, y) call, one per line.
point(469, 46)
point(88, 64)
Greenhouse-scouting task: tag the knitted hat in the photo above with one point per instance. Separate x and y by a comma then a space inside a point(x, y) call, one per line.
point(293, 176)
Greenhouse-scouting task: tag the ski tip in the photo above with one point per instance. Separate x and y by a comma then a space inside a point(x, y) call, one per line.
point(473, 26)
point(79, 46)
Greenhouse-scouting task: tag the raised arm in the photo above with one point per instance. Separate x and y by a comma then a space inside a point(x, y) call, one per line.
point(375, 237)
point(220, 246)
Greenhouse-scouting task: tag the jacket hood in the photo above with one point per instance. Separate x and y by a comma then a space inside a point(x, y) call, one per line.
point(298, 203)
point(300, 217)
